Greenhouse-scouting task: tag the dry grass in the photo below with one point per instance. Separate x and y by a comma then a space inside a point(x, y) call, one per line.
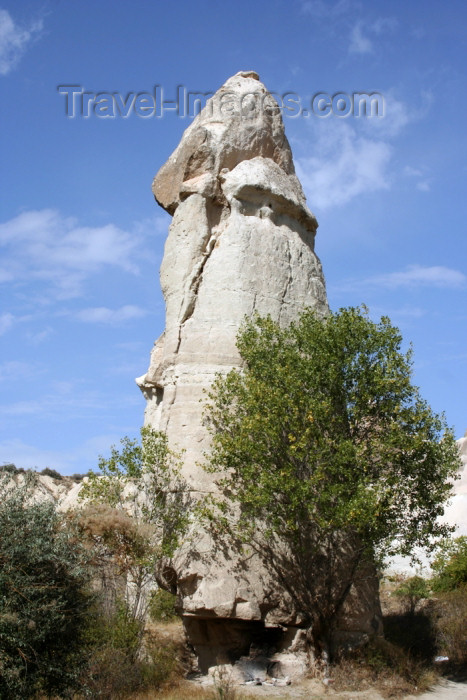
point(384, 667)
point(450, 619)
point(187, 691)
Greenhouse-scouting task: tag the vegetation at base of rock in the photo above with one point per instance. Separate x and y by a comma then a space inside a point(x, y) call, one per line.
point(384, 666)
point(435, 629)
point(450, 565)
point(137, 510)
point(161, 606)
point(407, 659)
point(322, 441)
point(124, 659)
point(159, 496)
point(123, 555)
point(451, 626)
point(43, 597)
point(60, 633)
point(411, 591)
point(75, 642)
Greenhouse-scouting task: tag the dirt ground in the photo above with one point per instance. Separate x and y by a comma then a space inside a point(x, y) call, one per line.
point(446, 690)
point(314, 690)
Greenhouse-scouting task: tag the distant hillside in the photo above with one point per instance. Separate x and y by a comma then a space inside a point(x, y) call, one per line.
point(50, 485)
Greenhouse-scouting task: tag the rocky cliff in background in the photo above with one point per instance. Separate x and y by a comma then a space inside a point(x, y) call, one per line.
point(456, 512)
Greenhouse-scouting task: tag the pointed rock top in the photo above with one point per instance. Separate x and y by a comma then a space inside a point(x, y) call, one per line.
point(239, 122)
point(247, 74)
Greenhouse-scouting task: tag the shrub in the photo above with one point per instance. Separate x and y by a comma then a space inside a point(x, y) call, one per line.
point(411, 592)
point(144, 480)
point(117, 630)
point(384, 666)
point(119, 664)
point(450, 565)
point(123, 555)
point(162, 606)
point(450, 616)
point(12, 469)
point(77, 477)
point(43, 597)
point(51, 472)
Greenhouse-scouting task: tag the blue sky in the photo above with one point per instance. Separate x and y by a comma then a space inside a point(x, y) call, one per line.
point(82, 239)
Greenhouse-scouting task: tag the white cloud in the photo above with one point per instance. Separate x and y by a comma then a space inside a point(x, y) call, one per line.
point(397, 115)
point(423, 186)
point(352, 156)
point(62, 399)
point(17, 370)
point(412, 277)
point(14, 41)
point(417, 275)
point(45, 246)
point(398, 314)
point(344, 165)
point(102, 314)
point(40, 336)
point(422, 182)
point(412, 172)
point(358, 42)
point(364, 34)
point(6, 322)
point(77, 460)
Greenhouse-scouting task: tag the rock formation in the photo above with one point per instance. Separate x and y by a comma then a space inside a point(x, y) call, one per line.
point(241, 241)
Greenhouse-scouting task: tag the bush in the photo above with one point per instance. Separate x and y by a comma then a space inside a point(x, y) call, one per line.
point(450, 565)
point(411, 592)
point(12, 469)
point(122, 661)
point(117, 630)
point(43, 597)
point(162, 606)
point(385, 666)
point(51, 472)
point(77, 477)
point(450, 614)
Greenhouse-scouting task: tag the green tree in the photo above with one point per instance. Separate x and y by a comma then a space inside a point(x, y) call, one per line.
point(450, 565)
point(143, 480)
point(411, 591)
point(43, 596)
point(326, 456)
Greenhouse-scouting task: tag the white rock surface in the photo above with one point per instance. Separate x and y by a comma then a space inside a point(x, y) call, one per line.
point(456, 512)
point(64, 492)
